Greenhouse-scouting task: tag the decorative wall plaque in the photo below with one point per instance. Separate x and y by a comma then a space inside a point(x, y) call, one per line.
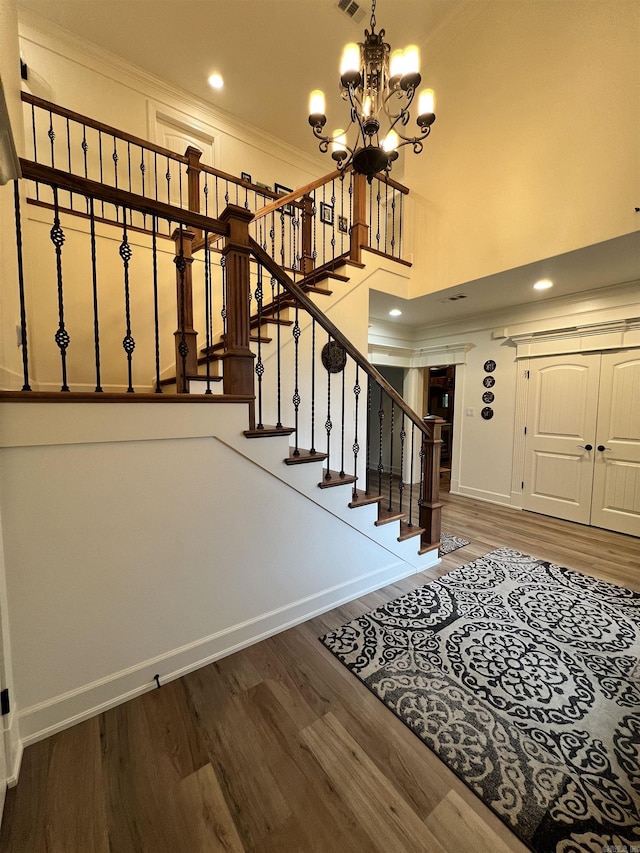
point(334, 357)
point(488, 397)
point(487, 413)
point(489, 381)
point(489, 366)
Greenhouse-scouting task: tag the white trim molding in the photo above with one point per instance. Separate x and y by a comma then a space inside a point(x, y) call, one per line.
point(589, 337)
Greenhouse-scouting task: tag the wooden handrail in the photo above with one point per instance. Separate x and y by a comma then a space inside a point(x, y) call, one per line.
point(103, 128)
point(120, 198)
point(321, 318)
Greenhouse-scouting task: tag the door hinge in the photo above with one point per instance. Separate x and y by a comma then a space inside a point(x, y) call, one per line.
point(5, 706)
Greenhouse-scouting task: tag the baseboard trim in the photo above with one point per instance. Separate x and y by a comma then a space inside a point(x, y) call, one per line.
point(482, 495)
point(14, 770)
point(47, 718)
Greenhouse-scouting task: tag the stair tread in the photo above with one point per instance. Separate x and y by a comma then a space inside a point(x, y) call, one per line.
point(335, 479)
point(202, 377)
point(363, 499)
point(268, 431)
point(407, 532)
point(304, 456)
point(386, 516)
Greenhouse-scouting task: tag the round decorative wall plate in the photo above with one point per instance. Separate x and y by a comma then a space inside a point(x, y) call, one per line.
point(489, 366)
point(489, 381)
point(487, 413)
point(334, 357)
point(488, 397)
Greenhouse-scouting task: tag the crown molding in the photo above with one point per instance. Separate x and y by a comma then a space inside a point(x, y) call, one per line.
point(65, 44)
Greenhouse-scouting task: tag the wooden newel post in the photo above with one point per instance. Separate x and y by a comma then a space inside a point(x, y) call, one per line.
point(431, 508)
point(186, 337)
point(359, 227)
point(307, 235)
point(193, 156)
point(238, 375)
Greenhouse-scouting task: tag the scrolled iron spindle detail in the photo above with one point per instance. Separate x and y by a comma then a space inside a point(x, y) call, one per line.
point(296, 399)
point(380, 466)
point(403, 436)
point(328, 424)
point(94, 288)
point(356, 446)
point(23, 311)
point(259, 368)
point(128, 342)
point(391, 456)
point(61, 336)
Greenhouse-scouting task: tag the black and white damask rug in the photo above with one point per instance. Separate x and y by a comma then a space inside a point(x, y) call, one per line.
point(449, 543)
point(524, 678)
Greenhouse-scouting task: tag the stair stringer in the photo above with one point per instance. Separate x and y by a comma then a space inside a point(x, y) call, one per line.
point(269, 454)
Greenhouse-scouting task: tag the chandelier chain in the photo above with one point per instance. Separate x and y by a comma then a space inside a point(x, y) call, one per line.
point(373, 15)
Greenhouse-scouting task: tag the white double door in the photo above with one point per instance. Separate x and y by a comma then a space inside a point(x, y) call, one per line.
point(582, 447)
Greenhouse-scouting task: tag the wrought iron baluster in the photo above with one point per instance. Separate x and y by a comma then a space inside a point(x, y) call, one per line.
point(129, 163)
point(394, 196)
point(282, 239)
point(413, 430)
point(223, 312)
point(100, 163)
point(35, 145)
point(367, 488)
point(356, 447)
point(403, 435)
point(128, 343)
point(94, 287)
point(143, 172)
point(259, 368)
point(380, 467)
point(342, 400)
point(421, 455)
point(115, 159)
point(168, 180)
point(155, 173)
point(314, 214)
point(370, 191)
point(333, 219)
point(296, 393)
point(52, 136)
point(207, 308)
point(68, 147)
point(156, 311)
point(205, 190)
point(400, 226)
point(272, 235)
point(180, 186)
point(312, 449)
point(378, 200)
point(328, 425)
point(391, 457)
point(183, 346)
point(61, 336)
point(342, 233)
point(324, 230)
point(85, 148)
point(279, 362)
point(23, 309)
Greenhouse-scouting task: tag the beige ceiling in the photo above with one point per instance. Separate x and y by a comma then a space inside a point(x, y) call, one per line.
point(287, 48)
point(271, 53)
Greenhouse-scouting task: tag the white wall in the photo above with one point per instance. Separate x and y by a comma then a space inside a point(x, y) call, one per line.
point(124, 560)
point(535, 148)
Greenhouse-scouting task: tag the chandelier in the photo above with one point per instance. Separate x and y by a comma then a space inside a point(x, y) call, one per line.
point(380, 87)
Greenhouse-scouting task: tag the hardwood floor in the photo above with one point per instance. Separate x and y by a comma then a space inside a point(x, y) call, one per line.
point(278, 748)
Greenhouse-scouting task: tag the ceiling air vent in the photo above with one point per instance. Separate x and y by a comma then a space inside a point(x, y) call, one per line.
point(352, 9)
point(454, 298)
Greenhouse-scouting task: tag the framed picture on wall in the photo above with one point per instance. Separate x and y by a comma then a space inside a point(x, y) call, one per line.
point(281, 190)
point(343, 225)
point(245, 176)
point(326, 213)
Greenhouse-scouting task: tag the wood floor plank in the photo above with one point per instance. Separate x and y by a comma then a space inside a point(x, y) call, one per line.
point(389, 821)
point(279, 748)
point(460, 828)
point(204, 806)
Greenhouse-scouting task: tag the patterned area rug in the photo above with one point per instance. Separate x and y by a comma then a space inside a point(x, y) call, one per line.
point(524, 678)
point(449, 543)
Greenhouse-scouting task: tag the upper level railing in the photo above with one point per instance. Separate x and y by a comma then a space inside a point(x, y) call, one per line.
point(307, 228)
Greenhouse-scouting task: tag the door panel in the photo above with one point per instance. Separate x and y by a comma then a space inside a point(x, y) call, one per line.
point(616, 479)
point(561, 415)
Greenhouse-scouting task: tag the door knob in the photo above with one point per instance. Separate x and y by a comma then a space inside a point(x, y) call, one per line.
point(602, 448)
point(585, 446)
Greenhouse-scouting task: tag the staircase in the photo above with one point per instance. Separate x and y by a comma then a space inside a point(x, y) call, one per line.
point(249, 291)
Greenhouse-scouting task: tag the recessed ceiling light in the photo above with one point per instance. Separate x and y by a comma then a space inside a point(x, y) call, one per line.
point(543, 284)
point(216, 81)
point(395, 312)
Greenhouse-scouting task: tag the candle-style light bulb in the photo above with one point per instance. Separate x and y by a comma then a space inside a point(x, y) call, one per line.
point(317, 103)
point(426, 102)
point(350, 58)
point(339, 144)
point(390, 142)
point(411, 59)
point(396, 64)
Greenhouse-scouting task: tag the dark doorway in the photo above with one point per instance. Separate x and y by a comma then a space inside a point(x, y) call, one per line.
point(440, 392)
